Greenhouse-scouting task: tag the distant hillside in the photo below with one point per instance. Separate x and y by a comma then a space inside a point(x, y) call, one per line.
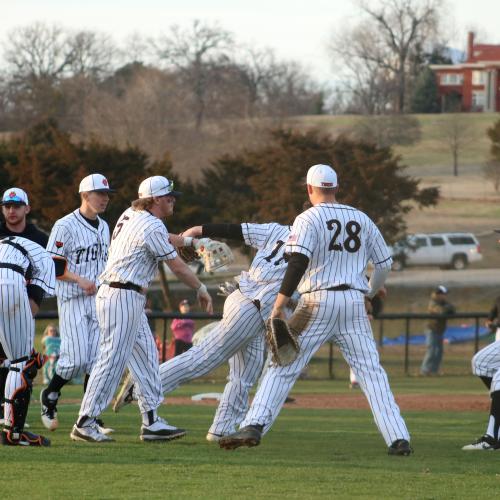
point(430, 156)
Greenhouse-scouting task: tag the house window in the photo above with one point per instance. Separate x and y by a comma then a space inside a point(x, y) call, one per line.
point(452, 79)
point(478, 100)
point(479, 77)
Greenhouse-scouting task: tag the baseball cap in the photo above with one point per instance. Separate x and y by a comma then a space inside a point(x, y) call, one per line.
point(322, 176)
point(184, 302)
point(441, 289)
point(157, 186)
point(15, 196)
point(94, 182)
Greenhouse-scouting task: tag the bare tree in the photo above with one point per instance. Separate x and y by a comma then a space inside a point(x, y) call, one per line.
point(92, 54)
point(38, 52)
point(457, 133)
point(386, 37)
point(194, 53)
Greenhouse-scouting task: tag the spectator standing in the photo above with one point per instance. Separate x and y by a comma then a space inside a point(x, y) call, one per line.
point(435, 330)
point(183, 329)
point(493, 321)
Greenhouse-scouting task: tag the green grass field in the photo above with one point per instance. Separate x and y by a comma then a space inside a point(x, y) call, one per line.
point(307, 454)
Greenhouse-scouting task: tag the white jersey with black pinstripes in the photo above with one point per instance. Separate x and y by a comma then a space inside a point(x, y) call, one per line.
point(16, 319)
point(139, 241)
point(42, 266)
point(239, 337)
point(268, 267)
point(339, 241)
point(84, 247)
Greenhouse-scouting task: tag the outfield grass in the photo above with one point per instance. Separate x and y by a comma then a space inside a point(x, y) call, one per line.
point(308, 454)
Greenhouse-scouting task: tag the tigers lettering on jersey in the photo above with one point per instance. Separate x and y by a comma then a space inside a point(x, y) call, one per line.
point(83, 246)
point(339, 241)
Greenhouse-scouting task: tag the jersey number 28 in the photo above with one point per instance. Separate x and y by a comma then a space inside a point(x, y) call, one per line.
point(351, 243)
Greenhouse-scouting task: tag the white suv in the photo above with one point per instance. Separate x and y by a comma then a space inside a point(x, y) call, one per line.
point(455, 250)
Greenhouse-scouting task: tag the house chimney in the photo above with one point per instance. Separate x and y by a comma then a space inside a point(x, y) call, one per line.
point(470, 46)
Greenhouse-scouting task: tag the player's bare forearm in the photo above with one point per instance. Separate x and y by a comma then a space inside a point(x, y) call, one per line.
point(185, 240)
point(194, 231)
point(34, 307)
point(89, 287)
point(183, 272)
point(279, 306)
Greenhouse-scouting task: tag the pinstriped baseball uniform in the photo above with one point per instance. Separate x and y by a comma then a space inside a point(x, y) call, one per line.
point(486, 363)
point(239, 336)
point(17, 326)
point(85, 249)
point(139, 242)
point(339, 241)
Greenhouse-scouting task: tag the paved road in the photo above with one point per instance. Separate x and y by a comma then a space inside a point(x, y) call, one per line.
point(430, 276)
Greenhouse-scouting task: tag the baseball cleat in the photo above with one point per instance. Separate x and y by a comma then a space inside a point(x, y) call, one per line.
point(213, 438)
point(25, 439)
point(483, 443)
point(125, 395)
point(247, 436)
point(400, 447)
point(102, 428)
point(89, 433)
point(160, 430)
point(48, 411)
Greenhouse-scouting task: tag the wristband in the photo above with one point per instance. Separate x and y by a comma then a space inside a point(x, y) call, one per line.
point(188, 241)
point(201, 289)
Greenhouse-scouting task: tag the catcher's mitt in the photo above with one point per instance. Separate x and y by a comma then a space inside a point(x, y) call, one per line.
point(282, 342)
point(214, 254)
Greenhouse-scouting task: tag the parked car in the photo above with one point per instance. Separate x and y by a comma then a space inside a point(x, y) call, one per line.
point(447, 250)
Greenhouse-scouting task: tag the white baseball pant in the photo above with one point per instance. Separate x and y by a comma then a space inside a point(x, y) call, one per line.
point(17, 329)
point(239, 337)
point(486, 363)
point(341, 317)
point(126, 339)
point(79, 336)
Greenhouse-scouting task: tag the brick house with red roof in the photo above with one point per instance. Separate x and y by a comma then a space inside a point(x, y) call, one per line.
point(475, 83)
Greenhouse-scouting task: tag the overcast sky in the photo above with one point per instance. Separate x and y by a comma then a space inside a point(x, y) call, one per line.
point(296, 30)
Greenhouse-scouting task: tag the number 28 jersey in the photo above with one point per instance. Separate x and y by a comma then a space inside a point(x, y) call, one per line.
point(339, 241)
point(84, 247)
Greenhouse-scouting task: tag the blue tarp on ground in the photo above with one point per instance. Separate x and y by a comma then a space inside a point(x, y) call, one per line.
point(452, 335)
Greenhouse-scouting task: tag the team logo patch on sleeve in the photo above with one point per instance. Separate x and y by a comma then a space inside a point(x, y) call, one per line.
point(292, 238)
point(59, 244)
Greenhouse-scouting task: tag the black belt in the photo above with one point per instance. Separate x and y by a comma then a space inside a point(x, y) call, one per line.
point(124, 286)
point(17, 269)
point(338, 288)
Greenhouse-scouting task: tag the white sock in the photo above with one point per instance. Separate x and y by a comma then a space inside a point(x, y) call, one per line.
point(491, 427)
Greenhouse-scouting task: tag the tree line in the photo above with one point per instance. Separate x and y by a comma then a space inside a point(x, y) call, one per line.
point(266, 183)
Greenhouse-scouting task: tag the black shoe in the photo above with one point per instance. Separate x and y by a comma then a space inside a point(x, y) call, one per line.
point(289, 400)
point(48, 411)
point(246, 436)
point(400, 447)
point(25, 439)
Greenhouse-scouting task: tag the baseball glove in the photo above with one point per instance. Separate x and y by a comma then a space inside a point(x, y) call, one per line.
point(282, 342)
point(214, 254)
point(188, 254)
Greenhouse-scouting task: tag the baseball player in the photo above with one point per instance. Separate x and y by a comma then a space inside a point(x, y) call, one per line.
point(328, 250)
point(26, 276)
point(79, 243)
point(486, 365)
point(140, 240)
point(239, 336)
point(15, 209)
